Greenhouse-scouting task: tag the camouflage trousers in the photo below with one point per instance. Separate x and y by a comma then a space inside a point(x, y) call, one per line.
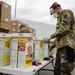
point(64, 61)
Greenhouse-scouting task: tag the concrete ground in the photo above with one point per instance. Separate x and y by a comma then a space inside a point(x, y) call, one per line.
point(50, 72)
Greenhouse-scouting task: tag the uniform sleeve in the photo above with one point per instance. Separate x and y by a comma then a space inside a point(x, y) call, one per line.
point(24, 31)
point(64, 25)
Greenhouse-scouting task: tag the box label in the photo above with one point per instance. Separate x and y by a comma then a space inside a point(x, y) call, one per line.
point(28, 62)
point(6, 19)
point(6, 5)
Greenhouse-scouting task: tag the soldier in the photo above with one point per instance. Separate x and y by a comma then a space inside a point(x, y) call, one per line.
point(23, 29)
point(65, 41)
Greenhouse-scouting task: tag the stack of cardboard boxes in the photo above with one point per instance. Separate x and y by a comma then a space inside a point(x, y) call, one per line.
point(5, 16)
point(6, 24)
point(15, 26)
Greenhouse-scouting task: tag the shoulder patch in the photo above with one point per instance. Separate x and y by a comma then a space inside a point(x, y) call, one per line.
point(65, 16)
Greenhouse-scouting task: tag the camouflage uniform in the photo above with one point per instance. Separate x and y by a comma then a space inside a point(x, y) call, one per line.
point(65, 43)
point(24, 30)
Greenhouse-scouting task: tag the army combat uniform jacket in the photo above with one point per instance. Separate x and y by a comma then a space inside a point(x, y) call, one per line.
point(24, 30)
point(65, 30)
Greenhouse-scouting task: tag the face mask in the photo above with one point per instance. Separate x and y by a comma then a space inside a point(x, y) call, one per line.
point(55, 15)
point(51, 11)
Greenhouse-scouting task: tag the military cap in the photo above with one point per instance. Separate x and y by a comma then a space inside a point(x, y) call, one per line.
point(54, 5)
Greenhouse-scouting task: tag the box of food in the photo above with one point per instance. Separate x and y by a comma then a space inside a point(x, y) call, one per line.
point(5, 17)
point(17, 24)
point(5, 26)
point(5, 8)
point(46, 49)
point(5, 42)
point(23, 50)
point(13, 30)
point(30, 29)
point(39, 49)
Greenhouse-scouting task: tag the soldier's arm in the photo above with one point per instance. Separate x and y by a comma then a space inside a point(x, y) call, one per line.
point(65, 24)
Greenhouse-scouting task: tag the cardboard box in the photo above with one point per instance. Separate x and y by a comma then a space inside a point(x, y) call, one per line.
point(33, 30)
point(14, 30)
point(30, 29)
point(39, 49)
point(34, 34)
point(5, 46)
point(5, 8)
point(17, 24)
point(4, 25)
point(4, 17)
point(13, 23)
point(46, 50)
point(22, 46)
point(25, 53)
